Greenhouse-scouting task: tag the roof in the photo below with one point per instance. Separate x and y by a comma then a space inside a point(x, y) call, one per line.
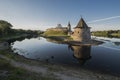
point(81, 24)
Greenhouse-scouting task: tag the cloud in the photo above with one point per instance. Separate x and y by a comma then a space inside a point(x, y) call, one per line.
point(104, 19)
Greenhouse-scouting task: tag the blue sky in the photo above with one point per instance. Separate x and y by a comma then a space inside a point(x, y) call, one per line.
point(43, 14)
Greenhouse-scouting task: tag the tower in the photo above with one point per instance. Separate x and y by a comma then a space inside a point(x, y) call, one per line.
point(81, 32)
point(69, 28)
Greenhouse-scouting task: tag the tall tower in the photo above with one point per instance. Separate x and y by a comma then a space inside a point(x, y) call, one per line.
point(69, 28)
point(81, 32)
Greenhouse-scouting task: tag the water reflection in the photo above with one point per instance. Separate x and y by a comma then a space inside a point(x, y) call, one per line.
point(81, 53)
point(11, 41)
point(117, 43)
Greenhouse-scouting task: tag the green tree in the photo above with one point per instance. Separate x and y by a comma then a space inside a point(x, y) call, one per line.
point(5, 27)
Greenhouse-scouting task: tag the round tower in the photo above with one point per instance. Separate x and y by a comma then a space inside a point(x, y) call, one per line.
point(81, 32)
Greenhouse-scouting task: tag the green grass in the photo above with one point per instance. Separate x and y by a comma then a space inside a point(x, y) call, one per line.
point(54, 33)
point(116, 34)
point(110, 33)
point(59, 38)
point(7, 53)
point(106, 35)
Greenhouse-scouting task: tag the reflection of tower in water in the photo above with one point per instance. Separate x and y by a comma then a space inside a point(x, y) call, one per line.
point(81, 53)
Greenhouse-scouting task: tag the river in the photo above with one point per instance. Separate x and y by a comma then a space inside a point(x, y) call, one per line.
point(104, 57)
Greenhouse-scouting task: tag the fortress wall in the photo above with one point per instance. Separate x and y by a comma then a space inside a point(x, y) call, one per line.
point(86, 34)
point(77, 35)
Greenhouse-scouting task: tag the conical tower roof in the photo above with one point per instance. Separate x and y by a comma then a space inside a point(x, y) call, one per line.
point(81, 24)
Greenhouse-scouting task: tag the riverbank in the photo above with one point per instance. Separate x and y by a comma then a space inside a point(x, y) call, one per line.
point(12, 70)
point(54, 71)
point(15, 37)
point(107, 33)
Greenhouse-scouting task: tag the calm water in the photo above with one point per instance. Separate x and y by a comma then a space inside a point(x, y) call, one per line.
point(104, 57)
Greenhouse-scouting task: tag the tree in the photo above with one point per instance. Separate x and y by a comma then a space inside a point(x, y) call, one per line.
point(5, 27)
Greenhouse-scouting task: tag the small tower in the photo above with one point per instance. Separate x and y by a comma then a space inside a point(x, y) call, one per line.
point(81, 32)
point(69, 28)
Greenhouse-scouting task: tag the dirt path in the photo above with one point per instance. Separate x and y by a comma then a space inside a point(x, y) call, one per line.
point(65, 74)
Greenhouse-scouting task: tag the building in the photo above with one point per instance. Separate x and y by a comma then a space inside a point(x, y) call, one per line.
point(59, 27)
point(81, 32)
point(69, 29)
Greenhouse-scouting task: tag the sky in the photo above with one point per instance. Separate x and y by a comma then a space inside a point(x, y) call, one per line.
point(43, 14)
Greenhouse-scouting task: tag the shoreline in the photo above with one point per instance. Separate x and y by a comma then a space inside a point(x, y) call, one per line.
point(66, 40)
point(62, 70)
point(5, 42)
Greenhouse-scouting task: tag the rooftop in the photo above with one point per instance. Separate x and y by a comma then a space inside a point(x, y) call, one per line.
point(81, 24)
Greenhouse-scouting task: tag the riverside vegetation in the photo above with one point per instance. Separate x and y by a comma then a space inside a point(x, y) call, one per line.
point(7, 32)
point(107, 33)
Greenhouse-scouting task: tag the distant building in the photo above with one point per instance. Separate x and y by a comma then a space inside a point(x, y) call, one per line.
point(63, 29)
point(81, 32)
point(59, 26)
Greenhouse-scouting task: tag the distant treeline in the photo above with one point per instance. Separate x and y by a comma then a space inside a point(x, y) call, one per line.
point(21, 31)
point(108, 33)
point(6, 30)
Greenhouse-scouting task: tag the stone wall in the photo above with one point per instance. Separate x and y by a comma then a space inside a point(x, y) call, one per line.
point(81, 34)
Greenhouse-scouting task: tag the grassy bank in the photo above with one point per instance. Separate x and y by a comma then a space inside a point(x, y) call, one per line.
point(58, 37)
point(54, 33)
point(9, 72)
point(116, 35)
